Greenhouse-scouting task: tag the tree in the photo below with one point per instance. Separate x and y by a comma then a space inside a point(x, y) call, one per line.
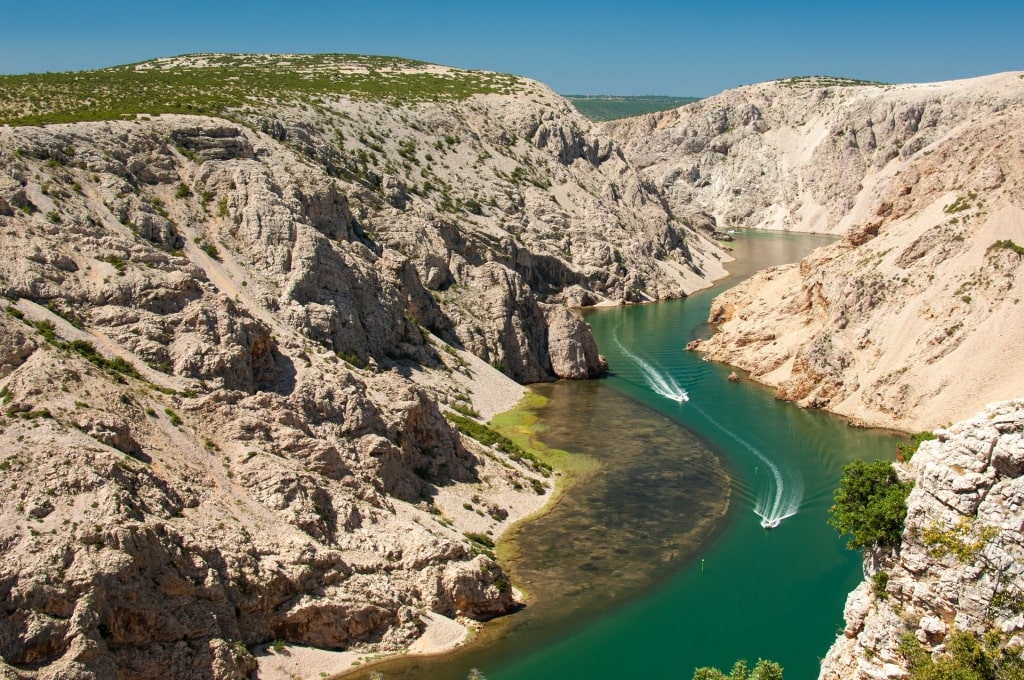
point(870, 505)
point(968, 656)
point(763, 670)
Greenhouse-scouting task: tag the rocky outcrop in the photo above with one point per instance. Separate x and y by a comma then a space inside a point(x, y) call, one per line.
point(808, 154)
point(904, 322)
point(959, 564)
point(225, 353)
point(472, 194)
point(225, 347)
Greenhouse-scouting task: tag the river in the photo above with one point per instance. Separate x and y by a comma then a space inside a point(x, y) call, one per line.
point(637, 572)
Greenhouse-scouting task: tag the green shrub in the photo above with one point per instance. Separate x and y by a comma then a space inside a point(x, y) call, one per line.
point(968, 656)
point(1006, 244)
point(118, 263)
point(89, 352)
point(763, 670)
point(483, 539)
point(489, 437)
point(210, 250)
point(906, 451)
point(870, 505)
point(48, 331)
point(466, 410)
point(879, 581)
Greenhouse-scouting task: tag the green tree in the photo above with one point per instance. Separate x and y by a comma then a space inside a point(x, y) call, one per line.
point(870, 505)
point(763, 670)
point(968, 656)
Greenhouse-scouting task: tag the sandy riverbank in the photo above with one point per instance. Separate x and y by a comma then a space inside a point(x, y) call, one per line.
point(441, 634)
point(490, 393)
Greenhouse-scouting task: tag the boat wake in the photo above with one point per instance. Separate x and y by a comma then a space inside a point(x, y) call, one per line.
point(779, 492)
point(661, 383)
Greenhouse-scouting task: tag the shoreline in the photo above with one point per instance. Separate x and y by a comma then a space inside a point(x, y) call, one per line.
point(509, 408)
point(441, 634)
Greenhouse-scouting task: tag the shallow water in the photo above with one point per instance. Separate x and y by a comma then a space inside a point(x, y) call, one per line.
point(635, 573)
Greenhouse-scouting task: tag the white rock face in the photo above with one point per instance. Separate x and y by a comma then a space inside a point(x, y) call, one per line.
point(223, 366)
point(960, 565)
point(907, 322)
point(808, 154)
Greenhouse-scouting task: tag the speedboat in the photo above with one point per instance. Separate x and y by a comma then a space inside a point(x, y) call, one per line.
point(770, 523)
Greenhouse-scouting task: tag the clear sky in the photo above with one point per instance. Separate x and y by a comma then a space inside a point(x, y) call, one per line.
point(599, 47)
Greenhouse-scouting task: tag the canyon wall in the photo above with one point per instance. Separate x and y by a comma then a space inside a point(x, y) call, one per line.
point(229, 346)
point(909, 320)
point(960, 565)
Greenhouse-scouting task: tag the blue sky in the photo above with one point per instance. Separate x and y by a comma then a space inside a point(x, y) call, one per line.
point(638, 47)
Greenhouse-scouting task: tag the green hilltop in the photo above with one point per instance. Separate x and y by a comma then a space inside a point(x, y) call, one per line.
point(228, 84)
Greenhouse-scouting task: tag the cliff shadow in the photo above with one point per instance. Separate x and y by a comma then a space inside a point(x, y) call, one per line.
point(274, 372)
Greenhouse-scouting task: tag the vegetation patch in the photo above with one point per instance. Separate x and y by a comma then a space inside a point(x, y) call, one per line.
point(879, 583)
point(227, 85)
point(967, 655)
point(965, 540)
point(960, 204)
point(489, 437)
point(870, 505)
point(88, 351)
point(521, 425)
point(824, 81)
point(118, 263)
point(906, 450)
point(762, 670)
point(1006, 244)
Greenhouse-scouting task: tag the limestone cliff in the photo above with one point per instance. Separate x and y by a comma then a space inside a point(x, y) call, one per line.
point(227, 344)
point(960, 565)
point(808, 154)
point(908, 321)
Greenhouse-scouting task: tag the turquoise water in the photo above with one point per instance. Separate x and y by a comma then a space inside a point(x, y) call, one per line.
point(637, 573)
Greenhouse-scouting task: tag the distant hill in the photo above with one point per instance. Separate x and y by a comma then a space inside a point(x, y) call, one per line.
point(600, 107)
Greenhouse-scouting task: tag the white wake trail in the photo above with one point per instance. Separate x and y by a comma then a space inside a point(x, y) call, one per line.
point(661, 383)
point(780, 496)
point(776, 500)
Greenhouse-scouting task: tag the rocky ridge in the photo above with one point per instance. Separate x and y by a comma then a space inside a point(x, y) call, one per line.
point(807, 154)
point(228, 346)
point(906, 321)
point(960, 564)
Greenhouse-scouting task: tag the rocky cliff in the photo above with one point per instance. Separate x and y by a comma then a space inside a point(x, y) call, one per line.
point(228, 344)
point(960, 564)
point(808, 154)
point(908, 321)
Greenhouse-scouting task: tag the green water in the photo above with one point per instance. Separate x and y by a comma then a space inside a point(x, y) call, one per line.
point(637, 573)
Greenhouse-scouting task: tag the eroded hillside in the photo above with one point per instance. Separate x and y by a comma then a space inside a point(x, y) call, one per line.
point(229, 346)
point(910, 321)
point(958, 569)
point(808, 154)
